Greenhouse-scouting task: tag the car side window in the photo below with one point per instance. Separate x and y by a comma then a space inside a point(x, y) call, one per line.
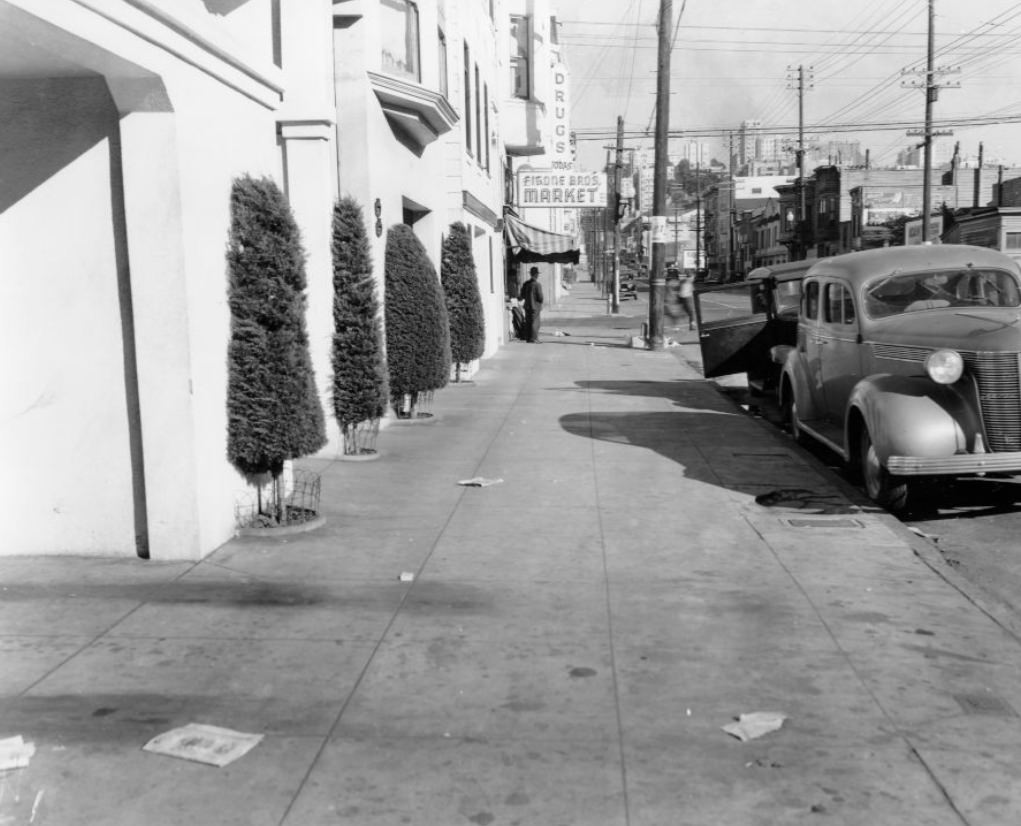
point(810, 302)
point(839, 304)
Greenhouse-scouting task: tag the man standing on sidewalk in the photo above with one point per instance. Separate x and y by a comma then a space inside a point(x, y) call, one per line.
point(531, 296)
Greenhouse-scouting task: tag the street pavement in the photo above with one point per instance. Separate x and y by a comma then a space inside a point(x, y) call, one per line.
point(564, 648)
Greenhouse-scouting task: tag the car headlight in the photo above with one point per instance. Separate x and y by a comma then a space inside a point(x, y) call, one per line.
point(944, 366)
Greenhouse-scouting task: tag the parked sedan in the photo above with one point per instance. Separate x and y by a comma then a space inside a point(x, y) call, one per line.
point(906, 363)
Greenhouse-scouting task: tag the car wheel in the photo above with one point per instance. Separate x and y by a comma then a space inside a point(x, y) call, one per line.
point(882, 488)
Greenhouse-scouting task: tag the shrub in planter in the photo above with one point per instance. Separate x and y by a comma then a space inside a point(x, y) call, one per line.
point(273, 410)
point(359, 373)
point(417, 329)
point(461, 293)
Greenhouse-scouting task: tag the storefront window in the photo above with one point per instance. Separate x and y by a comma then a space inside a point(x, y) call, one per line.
point(399, 32)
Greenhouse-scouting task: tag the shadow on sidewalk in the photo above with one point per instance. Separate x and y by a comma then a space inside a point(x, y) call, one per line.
point(712, 441)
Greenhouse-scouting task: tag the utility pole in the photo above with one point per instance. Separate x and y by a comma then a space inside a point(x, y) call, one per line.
point(698, 215)
point(657, 234)
point(618, 165)
point(731, 213)
point(978, 175)
point(799, 154)
point(931, 96)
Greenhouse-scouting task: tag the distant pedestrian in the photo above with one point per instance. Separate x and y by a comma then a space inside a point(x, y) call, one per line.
point(686, 295)
point(531, 297)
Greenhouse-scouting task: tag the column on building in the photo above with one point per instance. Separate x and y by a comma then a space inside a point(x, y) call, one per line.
point(306, 124)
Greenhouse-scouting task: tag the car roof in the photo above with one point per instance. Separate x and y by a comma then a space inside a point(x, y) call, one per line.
point(782, 272)
point(858, 267)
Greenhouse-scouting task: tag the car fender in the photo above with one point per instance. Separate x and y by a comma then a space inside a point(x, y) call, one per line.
point(911, 416)
point(796, 373)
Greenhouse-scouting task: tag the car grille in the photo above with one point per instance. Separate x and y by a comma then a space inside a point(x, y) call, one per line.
point(999, 393)
point(999, 389)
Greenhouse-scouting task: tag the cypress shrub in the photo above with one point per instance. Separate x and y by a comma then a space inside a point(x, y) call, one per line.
point(273, 410)
point(461, 292)
point(359, 374)
point(417, 329)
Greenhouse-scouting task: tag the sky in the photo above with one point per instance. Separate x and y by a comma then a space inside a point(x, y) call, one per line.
point(731, 61)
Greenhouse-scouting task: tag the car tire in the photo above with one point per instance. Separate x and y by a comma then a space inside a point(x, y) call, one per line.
point(891, 492)
point(790, 416)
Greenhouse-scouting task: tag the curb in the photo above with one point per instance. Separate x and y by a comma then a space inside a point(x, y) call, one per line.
point(286, 530)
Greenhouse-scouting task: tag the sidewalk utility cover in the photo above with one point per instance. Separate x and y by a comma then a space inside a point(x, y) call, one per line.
point(204, 744)
point(15, 753)
point(755, 724)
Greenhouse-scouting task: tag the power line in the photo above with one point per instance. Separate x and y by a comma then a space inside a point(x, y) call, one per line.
point(599, 133)
point(757, 28)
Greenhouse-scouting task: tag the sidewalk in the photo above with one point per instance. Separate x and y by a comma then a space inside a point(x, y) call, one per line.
point(653, 563)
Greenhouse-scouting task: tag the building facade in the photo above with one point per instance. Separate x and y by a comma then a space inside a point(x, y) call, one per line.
point(115, 270)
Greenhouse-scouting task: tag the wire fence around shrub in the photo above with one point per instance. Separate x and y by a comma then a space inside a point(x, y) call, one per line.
point(300, 503)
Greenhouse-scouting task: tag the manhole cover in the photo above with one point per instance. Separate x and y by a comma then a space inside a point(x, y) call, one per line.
point(984, 704)
point(824, 523)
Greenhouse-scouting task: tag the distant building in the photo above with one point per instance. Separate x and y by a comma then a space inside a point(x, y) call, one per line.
point(942, 153)
point(724, 208)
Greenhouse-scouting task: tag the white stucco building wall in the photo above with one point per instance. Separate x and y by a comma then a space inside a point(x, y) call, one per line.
point(536, 120)
point(474, 151)
point(402, 130)
point(131, 123)
point(388, 126)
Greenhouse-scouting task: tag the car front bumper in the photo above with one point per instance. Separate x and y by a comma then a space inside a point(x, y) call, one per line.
point(959, 464)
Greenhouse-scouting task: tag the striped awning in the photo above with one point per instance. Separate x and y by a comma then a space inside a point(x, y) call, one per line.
point(529, 244)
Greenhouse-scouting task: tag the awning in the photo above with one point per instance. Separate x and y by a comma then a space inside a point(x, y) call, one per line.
point(530, 244)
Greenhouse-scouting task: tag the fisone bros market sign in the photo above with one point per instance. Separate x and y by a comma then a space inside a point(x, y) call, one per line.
point(561, 188)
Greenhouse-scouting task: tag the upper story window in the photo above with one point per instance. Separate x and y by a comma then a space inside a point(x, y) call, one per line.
point(399, 36)
point(520, 56)
point(467, 100)
point(485, 132)
point(478, 116)
point(443, 63)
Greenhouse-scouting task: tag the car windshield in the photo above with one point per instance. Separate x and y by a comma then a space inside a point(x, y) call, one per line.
point(940, 289)
point(788, 297)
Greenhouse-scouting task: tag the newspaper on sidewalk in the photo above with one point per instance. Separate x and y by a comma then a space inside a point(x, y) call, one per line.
point(204, 744)
point(15, 753)
point(479, 482)
point(755, 724)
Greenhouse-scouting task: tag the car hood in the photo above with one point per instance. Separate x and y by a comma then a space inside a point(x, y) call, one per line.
point(992, 329)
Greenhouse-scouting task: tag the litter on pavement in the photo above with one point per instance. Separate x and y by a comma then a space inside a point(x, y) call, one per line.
point(755, 724)
point(923, 534)
point(479, 482)
point(15, 753)
point(204, 744)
